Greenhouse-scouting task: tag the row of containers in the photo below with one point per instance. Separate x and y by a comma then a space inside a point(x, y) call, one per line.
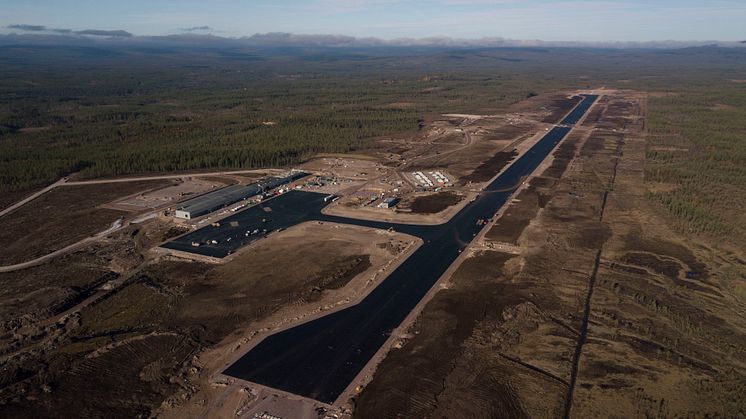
point(432, 179)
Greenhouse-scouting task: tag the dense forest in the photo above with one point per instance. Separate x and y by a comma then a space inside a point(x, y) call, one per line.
point(100, 112)
point(696, 157)
point(106, 116)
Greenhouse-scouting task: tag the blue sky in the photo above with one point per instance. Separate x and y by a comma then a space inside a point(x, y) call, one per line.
point(549, 20)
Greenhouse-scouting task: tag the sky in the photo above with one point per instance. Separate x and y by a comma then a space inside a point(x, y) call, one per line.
point(547, 20)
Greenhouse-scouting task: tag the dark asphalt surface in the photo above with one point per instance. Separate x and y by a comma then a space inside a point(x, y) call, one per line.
point(320, 358)
point(283, 211)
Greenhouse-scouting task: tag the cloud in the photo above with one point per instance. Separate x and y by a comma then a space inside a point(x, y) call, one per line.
point(29, 28)
point(280, 39)
point(283, 39)
point(100, 32)
point(290, 39)
point(39, 28)
point(196, 29)
point(91, 32)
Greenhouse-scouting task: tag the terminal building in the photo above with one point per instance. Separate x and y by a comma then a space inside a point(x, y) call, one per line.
point(221, 198)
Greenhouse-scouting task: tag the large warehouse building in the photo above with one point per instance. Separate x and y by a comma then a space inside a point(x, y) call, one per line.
point(223, 197)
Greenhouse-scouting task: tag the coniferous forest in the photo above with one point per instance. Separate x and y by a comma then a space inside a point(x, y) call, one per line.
point(114, 111)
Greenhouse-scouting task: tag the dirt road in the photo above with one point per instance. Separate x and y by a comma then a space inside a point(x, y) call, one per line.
point(48, 256)
point(117, 225)
point(65, 182)
point(160, 177)
point(31, 197)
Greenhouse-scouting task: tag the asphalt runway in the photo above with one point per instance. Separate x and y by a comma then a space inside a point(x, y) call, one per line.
point(320, 358)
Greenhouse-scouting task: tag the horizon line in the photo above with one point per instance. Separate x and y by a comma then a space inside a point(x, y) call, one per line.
point(331, 40)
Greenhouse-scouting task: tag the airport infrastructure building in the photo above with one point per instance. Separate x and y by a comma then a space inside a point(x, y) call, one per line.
point(388, 203)
point(223, 197)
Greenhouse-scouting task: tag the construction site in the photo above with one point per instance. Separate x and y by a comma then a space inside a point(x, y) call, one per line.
point(409, 278)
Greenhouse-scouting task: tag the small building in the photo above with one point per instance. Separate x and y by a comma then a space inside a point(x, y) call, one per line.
point(389, 203)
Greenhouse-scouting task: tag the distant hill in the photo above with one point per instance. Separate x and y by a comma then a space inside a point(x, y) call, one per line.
point(41, 35)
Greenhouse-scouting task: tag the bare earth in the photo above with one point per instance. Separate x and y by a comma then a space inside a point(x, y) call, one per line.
point(578, 301)
point(600, 306)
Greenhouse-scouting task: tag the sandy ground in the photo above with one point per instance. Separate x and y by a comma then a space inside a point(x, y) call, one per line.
point(454, 144)
point(391, 215)
point(342, 207)
point(344, 166)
